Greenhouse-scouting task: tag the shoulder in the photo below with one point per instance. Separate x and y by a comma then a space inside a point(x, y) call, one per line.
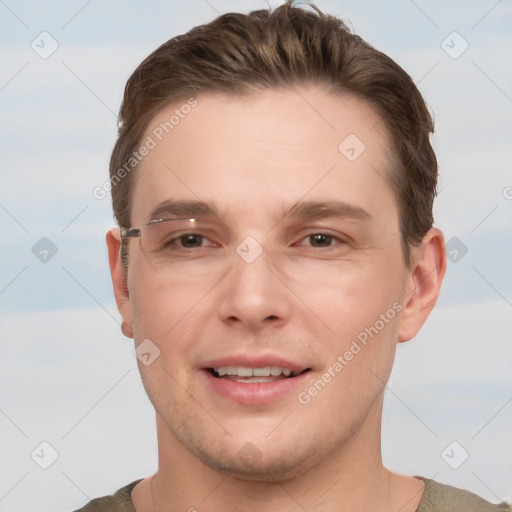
point(445, 498)
point(121, 501)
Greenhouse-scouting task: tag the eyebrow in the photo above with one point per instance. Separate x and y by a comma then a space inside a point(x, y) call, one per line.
point(185, 209)
point(302, 210)
point(315, 210)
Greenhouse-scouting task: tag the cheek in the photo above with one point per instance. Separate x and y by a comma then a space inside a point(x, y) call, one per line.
point(158, 305)
point(360, 310)
point(365, 336)
point(353, 296)
point(169, 313)
point(358, 362)
point(168, 317)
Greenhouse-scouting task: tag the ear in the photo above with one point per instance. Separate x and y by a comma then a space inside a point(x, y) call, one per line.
point(426, 273)
point(119, 282)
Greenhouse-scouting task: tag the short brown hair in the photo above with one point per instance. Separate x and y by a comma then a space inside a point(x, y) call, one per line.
point(239, 53)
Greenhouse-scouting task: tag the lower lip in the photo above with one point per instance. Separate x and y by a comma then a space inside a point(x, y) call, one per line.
point(254, 393)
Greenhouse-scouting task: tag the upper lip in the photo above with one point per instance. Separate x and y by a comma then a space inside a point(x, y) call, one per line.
point(255, 361)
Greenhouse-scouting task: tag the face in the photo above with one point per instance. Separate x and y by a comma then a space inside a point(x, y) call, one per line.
point(276, 312)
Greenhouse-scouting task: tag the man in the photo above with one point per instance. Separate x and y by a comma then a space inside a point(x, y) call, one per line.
point(273, 180)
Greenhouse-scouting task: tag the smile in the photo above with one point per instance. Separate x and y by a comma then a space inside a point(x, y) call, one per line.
point(251, 375)
point(254, 385)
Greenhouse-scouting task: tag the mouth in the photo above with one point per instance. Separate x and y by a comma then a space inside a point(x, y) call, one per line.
point(249, 375)
point(256, 383)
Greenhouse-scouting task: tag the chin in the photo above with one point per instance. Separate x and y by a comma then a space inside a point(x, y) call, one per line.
point(263, 460)
point(271, 468)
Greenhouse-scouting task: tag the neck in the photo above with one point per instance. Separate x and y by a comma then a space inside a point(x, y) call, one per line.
point(352, 478)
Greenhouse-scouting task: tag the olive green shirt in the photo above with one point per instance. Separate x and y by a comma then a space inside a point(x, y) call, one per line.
point(436, 498)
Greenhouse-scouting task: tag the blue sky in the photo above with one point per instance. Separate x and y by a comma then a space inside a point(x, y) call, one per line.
point(59, 125)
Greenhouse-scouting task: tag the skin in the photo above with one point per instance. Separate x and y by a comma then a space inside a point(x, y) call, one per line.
point(252, 158)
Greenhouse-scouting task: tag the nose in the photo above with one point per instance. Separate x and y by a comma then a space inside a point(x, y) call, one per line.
point(253, 295)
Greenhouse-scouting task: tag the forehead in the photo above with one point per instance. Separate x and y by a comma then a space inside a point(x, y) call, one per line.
point(257, 153)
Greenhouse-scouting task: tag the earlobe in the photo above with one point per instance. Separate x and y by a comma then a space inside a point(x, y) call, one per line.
point(119, 282)
point(424, 284)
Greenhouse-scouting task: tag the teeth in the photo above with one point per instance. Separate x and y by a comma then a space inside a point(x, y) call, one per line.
point(245, 371)
point(262, 372)
point(275, 370)
point(242, 371)
point(249, 380)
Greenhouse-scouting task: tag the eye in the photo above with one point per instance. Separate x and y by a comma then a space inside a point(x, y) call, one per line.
point(184, 241)
point(179, 238)
point(191, 240)
point(320, 240)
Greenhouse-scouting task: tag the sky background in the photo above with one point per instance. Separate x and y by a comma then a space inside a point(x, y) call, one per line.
point(68, 377)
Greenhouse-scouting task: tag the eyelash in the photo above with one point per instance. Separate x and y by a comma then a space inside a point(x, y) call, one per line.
point(332, 238)
point(179, 238)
